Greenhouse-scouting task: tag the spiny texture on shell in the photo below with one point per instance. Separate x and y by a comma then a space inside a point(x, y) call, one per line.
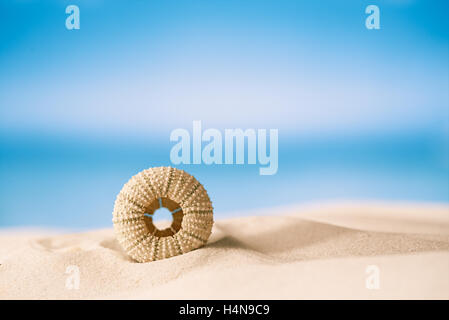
point(145, 192)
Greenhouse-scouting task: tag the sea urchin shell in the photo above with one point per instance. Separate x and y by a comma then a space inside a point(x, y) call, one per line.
point(149, 190)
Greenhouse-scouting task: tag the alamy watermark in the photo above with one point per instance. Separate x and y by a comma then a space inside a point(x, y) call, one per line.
point(73, 20)
point(373, 20)
point(372, 281)
point(217, 151)
point(72, 282)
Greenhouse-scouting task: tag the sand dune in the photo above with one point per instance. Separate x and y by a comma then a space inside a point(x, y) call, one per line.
point(309, 252)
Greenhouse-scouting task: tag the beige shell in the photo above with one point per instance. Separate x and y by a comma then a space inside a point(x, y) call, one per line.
point(150, 189)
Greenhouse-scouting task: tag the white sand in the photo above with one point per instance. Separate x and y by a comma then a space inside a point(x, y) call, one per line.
point(309, 252)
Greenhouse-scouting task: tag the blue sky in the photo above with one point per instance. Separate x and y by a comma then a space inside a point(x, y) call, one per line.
point(150, 65)
point(362, 114)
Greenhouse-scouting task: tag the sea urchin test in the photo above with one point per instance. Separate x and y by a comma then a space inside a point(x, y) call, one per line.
point(150, 190)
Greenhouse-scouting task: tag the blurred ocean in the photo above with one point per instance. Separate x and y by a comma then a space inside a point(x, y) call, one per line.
point(361, 113)
point(72, 183)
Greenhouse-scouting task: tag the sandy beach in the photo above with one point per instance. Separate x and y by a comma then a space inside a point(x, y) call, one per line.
point(327, 251)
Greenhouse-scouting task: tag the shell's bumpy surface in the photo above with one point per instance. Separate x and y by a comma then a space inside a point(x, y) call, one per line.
point(144, 193)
